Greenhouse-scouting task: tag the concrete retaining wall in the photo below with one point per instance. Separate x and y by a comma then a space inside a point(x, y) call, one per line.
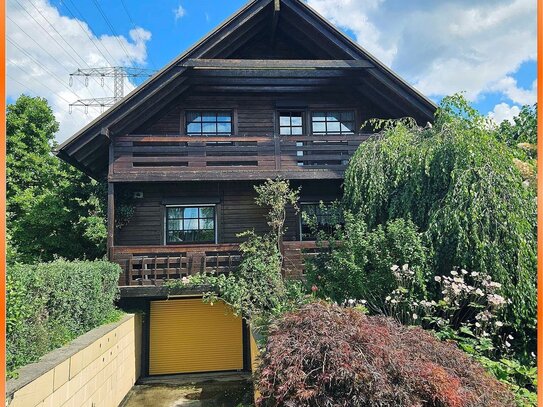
point(95, 370)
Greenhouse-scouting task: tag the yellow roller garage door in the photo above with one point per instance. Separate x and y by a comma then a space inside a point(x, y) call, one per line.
point(188, 335)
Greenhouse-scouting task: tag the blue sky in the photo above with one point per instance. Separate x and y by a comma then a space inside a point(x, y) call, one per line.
point(485, 48)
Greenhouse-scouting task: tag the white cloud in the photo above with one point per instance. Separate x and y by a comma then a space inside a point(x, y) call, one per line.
point(179, 12)
point(503, 111)
point(40, 66)
point(443, 47)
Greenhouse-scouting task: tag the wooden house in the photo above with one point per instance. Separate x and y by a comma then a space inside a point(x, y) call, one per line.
point(275, 91)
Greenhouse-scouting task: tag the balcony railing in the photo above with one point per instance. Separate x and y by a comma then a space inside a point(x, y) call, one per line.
point(153, 265)
point(184, 156)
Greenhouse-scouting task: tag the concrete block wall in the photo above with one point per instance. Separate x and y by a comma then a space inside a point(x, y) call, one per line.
point(95, 370)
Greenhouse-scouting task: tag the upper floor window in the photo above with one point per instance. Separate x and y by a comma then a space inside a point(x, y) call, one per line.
point(190, 224)
point(339, 122)
point(291, 123)
point(208, 123)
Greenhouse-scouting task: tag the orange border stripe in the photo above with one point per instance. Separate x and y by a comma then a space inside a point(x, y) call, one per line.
point(3, 199)
point(540, 205)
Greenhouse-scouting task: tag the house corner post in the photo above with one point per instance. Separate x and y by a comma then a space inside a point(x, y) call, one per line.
point(110, 204)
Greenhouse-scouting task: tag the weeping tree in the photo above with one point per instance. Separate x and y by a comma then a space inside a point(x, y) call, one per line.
point(464, 188)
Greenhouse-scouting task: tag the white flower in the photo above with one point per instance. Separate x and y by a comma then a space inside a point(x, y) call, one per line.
point(415, 317)
point(464, 271)
point(394, 301)
point(351, 302)
point(474, 274)
point(405, 267)
point(437, 278)
point(185, 280)
point(507, 344)
point(454, 273)
point(532, 354)
point(387, 298)
point(479, 292)
point(499, 323)
point(395, 267)
point(510, 336)
point(495, 284)
point(363, 301)
point(496, 299)
point(477, 324)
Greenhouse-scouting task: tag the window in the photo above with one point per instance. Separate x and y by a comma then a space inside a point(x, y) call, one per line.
point(321, 216)
point(211, 123)
point(190, 224)
point(291, 123)
point(332, 122)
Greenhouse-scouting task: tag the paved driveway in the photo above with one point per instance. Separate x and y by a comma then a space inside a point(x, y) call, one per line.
point(218, 390)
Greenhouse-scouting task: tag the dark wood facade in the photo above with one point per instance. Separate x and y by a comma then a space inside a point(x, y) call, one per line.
point(271, 59)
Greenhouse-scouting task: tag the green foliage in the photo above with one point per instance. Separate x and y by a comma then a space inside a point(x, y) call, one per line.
point(53, 209)
point(256, 290)
point(49, 304)
point(460, 186)
point(357, 262)
point(522, 130)
point(276, 195)
point(520, 378)
point(256, 286)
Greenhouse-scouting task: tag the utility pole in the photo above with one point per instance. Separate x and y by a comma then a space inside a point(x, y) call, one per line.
point(118, 73)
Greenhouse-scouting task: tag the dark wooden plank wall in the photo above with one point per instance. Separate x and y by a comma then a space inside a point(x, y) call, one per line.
point(236, 210)
point(255, 112)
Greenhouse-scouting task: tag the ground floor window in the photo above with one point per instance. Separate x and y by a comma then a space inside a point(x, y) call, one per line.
point(190, 224)
point(316, 217)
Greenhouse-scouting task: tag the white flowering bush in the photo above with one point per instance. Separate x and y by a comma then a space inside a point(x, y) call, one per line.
point(468, 303)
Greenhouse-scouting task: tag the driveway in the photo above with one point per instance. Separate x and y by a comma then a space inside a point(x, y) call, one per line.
point(217, 390)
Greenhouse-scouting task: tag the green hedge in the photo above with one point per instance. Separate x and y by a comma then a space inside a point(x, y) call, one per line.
point(49, 304)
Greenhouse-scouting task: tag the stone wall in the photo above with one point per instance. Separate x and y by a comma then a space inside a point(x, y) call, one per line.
point(95, 370)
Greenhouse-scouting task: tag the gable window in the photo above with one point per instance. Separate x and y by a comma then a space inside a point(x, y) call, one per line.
point(333, 122)
point(208, 123)
point(190, 224)
point(291, 123)
point(316, 217)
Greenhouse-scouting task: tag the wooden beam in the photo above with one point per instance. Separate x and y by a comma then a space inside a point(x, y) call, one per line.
point(272, 73)
point(276, 64)
point(110, 206)
point(275, 20)
point(266, 88)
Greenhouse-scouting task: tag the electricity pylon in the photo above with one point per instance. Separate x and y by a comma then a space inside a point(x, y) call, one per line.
point(118, 73)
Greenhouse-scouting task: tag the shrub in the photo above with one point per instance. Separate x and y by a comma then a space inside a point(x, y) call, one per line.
point(49, 304)
point(323, 355)
point(464, 190)
point(357, 261)
point(256, 290)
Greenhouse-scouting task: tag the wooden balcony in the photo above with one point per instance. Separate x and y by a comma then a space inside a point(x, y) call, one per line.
point(178, 158)
point(153, 265)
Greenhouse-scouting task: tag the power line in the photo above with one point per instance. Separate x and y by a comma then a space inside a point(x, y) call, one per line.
point(118, 74)
point(42, 66)
point(53, 38)
point(26, 86)
point(40, 83)
point(135, 28)
point(83, 29)
point(113, 31)
point(35, 42)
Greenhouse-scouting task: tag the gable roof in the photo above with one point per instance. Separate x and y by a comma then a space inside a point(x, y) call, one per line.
point(88, 148)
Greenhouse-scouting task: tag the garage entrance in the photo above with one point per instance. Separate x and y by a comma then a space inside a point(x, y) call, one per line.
point(189, 336)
